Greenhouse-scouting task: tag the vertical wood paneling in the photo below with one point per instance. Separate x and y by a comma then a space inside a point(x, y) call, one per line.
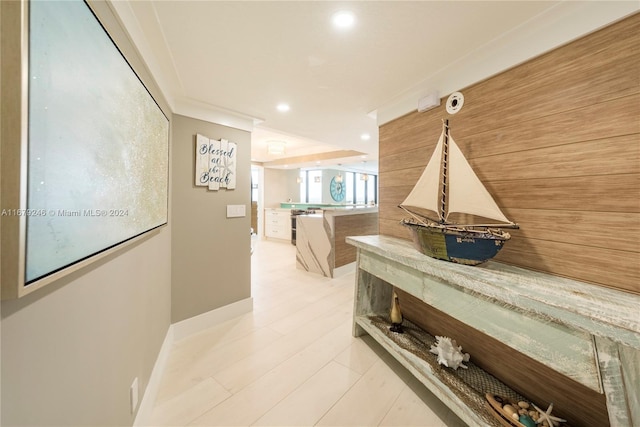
point(556, 141)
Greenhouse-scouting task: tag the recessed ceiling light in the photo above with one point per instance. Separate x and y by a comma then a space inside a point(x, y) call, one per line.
point(283, 107)
point(365, 137)
point(343, 19)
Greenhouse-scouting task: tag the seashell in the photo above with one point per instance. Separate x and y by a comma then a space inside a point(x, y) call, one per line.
point(523, 404)
point(510, 410)
point(449, 353)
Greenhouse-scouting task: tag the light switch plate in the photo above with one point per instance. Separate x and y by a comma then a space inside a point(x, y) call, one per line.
point(236, 211)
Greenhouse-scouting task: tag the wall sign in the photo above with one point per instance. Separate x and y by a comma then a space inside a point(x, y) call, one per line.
point(215, 163)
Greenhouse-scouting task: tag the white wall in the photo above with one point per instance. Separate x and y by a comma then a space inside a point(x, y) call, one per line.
point(279, 186)
point(71, 350)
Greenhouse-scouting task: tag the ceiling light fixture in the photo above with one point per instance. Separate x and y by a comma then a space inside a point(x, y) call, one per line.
point(343, 19)
point(275, 147)
point(283, 108)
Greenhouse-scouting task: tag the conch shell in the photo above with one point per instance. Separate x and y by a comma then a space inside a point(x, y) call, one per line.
point(449, 353)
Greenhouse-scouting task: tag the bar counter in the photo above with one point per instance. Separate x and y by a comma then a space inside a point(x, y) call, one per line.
point(320, 238)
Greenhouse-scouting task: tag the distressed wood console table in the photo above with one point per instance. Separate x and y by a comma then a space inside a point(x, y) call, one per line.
point(587, 333)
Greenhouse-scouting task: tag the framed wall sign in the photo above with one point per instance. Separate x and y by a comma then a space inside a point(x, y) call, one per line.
point(215, 163)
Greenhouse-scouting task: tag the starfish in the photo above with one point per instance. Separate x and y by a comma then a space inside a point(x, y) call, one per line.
point(546, 415)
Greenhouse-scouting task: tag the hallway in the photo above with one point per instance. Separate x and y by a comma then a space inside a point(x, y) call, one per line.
point(291, 362)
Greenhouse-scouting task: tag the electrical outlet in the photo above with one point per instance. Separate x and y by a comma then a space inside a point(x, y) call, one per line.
point(133, 395)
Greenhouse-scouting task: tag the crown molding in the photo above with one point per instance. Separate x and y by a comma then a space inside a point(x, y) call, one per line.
point(555, 27)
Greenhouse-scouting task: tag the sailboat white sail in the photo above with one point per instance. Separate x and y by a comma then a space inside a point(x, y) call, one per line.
point(425, 193)
point(449, 185)
point(466, 192)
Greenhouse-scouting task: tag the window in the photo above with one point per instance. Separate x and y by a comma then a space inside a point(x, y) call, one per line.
point(349, 182)
point(372, 189)
point(360, 188)
point(311, 186)
point(314, 186)
point(302, 181)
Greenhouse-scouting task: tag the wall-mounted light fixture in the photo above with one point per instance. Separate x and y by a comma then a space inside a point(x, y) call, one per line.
point(275, 147)
point(364, 177)
point(339, 177)
point(299, 180)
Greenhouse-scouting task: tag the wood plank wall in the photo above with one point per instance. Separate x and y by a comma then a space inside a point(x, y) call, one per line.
point(578, 404)
point(352, 225)
point(556, 141)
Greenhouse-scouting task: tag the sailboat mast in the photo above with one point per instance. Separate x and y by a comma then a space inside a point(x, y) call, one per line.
point(445, 165)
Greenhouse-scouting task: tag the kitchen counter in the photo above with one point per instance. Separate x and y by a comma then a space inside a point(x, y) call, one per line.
point(323, 206)
point(320, 238)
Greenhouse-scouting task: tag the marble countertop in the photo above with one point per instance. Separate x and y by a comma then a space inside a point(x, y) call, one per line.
point(277, 209)
point(315, 215)
point(352, 210)
point(339, 212)
point(301, 205)
point(601, 311)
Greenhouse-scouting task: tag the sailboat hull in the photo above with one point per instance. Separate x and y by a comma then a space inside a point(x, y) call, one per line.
point(455, 245)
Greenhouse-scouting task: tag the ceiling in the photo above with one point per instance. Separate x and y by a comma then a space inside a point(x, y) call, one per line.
point(235, 61)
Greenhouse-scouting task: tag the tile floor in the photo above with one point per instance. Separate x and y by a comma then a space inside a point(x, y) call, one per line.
point(291, 362)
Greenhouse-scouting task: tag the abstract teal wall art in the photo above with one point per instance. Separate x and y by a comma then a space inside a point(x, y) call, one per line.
point(98, 144)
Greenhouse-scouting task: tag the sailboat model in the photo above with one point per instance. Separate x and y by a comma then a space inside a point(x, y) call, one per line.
point(449, 185)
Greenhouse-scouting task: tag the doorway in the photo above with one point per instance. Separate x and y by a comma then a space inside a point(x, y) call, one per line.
point(257, 200)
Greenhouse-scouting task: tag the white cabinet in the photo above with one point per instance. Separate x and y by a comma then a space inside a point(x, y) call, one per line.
point(277, 223)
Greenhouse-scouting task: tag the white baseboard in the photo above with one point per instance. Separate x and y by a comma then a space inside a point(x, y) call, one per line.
point(176, 332)
point(143, 417)
point(342, 270)
point(198, 323)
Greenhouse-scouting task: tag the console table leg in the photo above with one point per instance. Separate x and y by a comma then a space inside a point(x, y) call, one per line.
point(613, 382)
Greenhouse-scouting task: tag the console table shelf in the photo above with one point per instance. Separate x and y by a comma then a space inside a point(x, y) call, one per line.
point(585, 333)
point(462, 390)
